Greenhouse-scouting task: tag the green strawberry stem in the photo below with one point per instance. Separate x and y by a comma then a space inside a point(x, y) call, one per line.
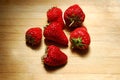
point(71, 23)
point(30, 39)
point(74, 19)
point(77, 42)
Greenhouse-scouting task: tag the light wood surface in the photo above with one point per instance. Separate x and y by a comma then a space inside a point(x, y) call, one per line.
point(20, 62)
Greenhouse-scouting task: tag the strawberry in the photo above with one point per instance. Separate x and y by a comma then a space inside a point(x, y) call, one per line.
point(74, 16)
point(54, 57)
point(83, 27)
point(61, 22)
point(33, 36)
point(54, 33)
point(80, 38)
point(55, 15)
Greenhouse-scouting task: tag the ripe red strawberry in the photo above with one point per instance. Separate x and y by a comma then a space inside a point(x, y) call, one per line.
point(80, 38)
point(74, 16)
point(54, 33)
point(55, 15)
point(83, 27)
point(61, 22)
point(33, 36)
point(54, 57)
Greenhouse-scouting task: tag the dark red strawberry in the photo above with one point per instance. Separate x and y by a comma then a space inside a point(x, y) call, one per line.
point(54, 33)
point(54, 57)
point(33, 36)
point(74, 16)
point(55, 15)
point(80, 38)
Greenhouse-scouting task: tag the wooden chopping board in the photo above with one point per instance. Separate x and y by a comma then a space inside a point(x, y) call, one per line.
point(20, 62)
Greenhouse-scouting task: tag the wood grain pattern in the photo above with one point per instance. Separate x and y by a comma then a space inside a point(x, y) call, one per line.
point(19, 62)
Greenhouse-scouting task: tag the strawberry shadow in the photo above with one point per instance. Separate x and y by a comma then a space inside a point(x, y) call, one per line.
point(81, 52)
point(36, 47)
point(49, 42)
point(52, 69)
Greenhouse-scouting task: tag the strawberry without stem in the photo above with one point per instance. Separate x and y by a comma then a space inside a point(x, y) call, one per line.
point(80, 38)
point(61, 22)
point(54, 57)
point(33, 36)
point(54, 33)
point(74, 16)
point(55, 15)
point(83, 28)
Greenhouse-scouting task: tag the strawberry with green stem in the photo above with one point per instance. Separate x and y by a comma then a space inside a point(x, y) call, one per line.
point(80, 38)
point(74, 16)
